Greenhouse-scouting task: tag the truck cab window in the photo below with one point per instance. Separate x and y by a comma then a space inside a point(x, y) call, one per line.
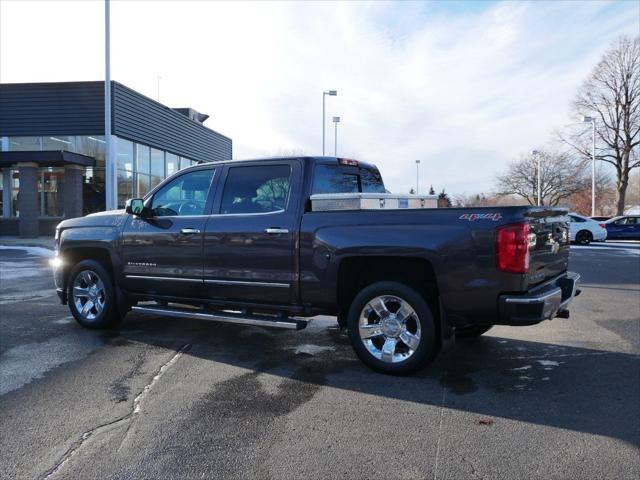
point(184, 195)
point(330, 179)
point(371, 181)
point(256, 189)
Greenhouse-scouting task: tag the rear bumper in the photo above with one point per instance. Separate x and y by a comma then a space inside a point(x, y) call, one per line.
point(544, 302)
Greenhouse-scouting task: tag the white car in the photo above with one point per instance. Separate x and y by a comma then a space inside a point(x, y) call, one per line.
point(584, 230)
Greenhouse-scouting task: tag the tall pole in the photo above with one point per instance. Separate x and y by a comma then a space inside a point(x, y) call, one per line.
point(323, 98)
point(332, 93)
point(336, 120)
point(593, 168)
point(417, 177)
point(539, 180)
point(111, 180)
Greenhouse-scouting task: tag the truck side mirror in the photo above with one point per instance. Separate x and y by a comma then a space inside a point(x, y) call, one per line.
point(135, 206)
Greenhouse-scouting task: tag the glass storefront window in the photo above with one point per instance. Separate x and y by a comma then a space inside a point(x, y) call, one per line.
point(157, 166)
point(58, 142)
point(124, 154)
point(142, 159)
point(22, 144)
point(93, 196)
point(92, 146)
point(50, 181)
point(125, 187)
point(15, 188)
point(172, 164)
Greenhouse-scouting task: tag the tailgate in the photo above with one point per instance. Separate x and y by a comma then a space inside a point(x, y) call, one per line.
point(549, 251)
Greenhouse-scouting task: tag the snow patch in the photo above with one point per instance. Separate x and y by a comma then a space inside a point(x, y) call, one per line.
point(310, 349)
point(36, 251)
point(520, 369)
point(548, 363)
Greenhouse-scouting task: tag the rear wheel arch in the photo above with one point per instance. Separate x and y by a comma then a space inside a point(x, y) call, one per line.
point(357, 272)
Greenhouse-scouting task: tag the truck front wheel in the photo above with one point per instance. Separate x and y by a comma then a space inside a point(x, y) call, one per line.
point(391, 328)
point(91, 295)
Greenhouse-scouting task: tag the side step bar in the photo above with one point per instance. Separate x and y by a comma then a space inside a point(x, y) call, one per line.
point(274, 322)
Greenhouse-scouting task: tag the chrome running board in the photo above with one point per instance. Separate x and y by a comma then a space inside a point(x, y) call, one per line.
point(243, 319)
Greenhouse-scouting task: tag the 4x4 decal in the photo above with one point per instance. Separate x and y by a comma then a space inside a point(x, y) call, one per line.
point(472, 217)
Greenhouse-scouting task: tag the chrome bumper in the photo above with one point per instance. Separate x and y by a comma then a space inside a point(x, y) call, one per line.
point(542, 303)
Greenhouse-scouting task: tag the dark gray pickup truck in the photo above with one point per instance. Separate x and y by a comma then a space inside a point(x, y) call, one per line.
point(242, 242)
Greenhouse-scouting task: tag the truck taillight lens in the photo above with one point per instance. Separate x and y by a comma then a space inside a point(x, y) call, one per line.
point(512, 248)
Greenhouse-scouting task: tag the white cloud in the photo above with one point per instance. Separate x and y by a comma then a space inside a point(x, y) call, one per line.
point(463, 87)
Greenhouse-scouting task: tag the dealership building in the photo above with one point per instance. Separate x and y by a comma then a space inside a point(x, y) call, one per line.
point(52, 160)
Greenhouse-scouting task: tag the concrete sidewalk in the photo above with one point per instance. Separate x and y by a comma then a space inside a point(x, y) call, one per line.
point(44, 242)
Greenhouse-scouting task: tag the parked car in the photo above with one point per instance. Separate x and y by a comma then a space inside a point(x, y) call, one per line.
point(260, 242)
point(585, 230)
point(624, 227)
point(600, 219)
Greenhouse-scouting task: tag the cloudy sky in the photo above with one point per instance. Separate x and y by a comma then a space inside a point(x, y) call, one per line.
point(462, 86)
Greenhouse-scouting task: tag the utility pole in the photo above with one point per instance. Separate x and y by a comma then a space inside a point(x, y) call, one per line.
point(417, 177)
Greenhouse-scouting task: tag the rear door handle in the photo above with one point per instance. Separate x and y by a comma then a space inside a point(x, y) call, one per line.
point(274, 231)
point(189, 231)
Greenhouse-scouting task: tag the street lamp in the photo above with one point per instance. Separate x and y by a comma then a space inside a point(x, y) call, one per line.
point(332, 93)
point(592, 121)
point(336, 121)
point(417, 177)
point(536, 154)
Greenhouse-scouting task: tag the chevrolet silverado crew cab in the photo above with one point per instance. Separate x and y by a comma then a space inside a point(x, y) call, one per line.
point(273, 242)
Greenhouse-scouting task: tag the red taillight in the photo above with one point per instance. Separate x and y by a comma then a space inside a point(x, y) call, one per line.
point(512, 248)
point(602, 225)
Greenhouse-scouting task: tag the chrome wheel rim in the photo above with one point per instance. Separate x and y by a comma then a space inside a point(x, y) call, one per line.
point(389, 329)
point(88, 294)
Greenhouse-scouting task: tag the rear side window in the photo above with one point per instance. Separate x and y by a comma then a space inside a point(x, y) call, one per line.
point(329, 179)
point(576, 219)
point(259, 189)
point(333, 179)
point(371, 181)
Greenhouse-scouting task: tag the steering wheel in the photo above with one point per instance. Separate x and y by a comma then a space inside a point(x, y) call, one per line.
point(190, 207)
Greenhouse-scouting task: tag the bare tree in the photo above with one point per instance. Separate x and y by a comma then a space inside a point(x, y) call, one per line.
point(611, 94)
point(561, 176)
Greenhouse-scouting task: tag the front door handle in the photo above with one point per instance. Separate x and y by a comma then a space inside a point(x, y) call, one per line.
point(274, 231)
point(189, 231)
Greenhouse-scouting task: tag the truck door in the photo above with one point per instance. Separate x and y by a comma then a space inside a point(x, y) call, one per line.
point(249, 242)
point(162, 253)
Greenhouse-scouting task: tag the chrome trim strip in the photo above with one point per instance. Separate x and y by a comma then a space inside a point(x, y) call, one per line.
point(175, 279)
point(254, 284)
point(218, 318)
point(537, 299)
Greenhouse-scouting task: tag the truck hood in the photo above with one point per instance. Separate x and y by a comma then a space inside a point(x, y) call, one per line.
point(110, 218)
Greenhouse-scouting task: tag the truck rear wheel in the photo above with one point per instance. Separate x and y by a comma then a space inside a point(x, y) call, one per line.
point(391, 328)
point(91, 296)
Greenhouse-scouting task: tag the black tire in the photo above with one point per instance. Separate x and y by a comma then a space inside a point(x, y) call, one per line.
point(426, 346)
point(472, 331)
point(109, 315)
point(584, 237)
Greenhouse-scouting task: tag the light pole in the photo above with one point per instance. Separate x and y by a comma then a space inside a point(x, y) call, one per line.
point(336, 121)
point(332, 93)
point(592, 121)
point(417, 177)
point(111, 185)
point(536, 154)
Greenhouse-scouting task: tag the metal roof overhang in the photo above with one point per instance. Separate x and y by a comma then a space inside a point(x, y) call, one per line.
point(47, 158)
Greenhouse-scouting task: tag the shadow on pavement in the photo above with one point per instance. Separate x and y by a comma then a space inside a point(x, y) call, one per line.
point(566, 387)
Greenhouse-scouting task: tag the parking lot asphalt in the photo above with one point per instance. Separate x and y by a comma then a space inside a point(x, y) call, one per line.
point(167, 398)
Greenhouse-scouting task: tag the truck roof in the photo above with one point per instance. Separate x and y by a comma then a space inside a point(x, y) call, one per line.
point(311, 159)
